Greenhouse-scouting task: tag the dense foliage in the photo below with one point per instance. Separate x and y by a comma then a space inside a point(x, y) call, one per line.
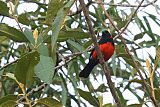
point(43, 50)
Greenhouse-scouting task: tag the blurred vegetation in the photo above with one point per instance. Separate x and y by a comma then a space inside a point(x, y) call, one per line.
point(42, 54)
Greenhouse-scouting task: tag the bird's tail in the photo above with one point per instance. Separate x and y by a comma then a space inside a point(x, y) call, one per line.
point(87, 69)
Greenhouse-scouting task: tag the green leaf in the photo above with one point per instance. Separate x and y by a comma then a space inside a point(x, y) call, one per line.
point(4, 10)
point(88, 97)
point(64, 35)
point(139, 36)
point(149, 29)
point(136, 81)
point(78, 47)
point(42, 48)
point(12, 33)
point(45, 66)
point(100, 101)
point(108, 105)
point(24, 19)
point(135, 105)
point(122, 100)
point(49, 102)
point(140, 24)
point(157, 94)
point(7, 98)
point(87, 44)
point(157, 60)
point(2, 39)
point(53, 8)
point(24, 71)
point(154, 18)
point(9, 103)
point(58, 22)
point(64, 91)
point(101, 88)
point(121, 52)
point(29, 35)
point(115, 67)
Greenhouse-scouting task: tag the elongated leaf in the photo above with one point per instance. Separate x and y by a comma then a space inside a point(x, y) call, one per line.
point(108, 105)
point(24, 71)
point(4, 10)
point(64, 91)
point(135, 105)
point(136, 81)
point(122, 100)
point(64, 35)
point(29, 35)
point(100, 101)
point(9, 103)
point(141, 101)
point(154, 18)
point(101, 88)
point(147, 23)
point(7, 98)
point(42, 48)
point(57, 24)
point(24, 19)
point(12, 33)
point(49, 102)
point(53, 7)
point(140, 24)
point(88, 97)
point(45, 69)
point(78, 47)
point(139, 36)
point(121, 52)
point(157, 56)
point(157, 94)
point(149, 29)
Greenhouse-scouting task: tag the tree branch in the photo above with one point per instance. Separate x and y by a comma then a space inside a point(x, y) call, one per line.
point(99, 54)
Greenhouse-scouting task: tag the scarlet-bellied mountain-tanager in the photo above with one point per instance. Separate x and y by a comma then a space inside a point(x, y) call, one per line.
point(106, 46)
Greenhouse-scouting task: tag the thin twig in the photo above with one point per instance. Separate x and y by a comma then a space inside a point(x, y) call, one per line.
point(130, 19)
point(59, 66)
point(6, 65)
point(80, 10)
point(42, 86)
point(99, 54)
point(119, 35)
point(72, 56)
point(110, 4)
point(14, 16)
point(125, 5)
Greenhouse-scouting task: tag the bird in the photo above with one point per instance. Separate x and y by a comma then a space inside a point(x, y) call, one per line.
point(106, 46)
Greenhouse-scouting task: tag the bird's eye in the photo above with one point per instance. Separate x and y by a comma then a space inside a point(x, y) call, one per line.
point(110, 36)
